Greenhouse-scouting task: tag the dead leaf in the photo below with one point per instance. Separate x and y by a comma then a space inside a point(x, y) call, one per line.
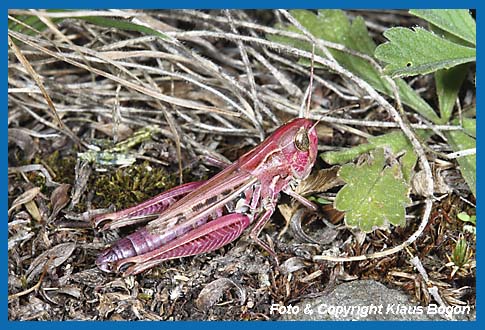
point(55, 257)
point(89, 277)
point(312, 276)
point(111, 301)
point(295, 224)
point(24, 198)
point(213, 291)
point(292, 265)
point(59, 199)
point(55, 296)
point(33, 210)
point(418, 183)
point(333, 215)
point(71, 290)
point(287, 212)
point(34, 309)
point(319, 182)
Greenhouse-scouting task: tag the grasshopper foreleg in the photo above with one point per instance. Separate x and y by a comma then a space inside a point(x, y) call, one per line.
point(258, 226)
point(300, 198)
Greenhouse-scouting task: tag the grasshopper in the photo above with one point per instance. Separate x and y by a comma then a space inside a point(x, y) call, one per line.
point(203, 216)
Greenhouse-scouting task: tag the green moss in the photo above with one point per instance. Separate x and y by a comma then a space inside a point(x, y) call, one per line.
point(119, 187)
point(60, 167)
point(127, 186)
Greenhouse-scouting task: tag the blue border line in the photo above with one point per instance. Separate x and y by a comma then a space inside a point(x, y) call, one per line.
point(224, 4)
point(251, 4)
point(479, 146)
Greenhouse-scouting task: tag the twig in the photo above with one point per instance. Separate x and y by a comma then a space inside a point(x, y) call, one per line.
point(432, 289)
point(462, 153)
point(36, 286)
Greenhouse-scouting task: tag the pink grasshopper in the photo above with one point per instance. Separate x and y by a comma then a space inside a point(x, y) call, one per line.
point(203, 216)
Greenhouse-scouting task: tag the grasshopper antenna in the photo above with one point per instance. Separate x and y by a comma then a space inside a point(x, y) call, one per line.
point(308, 92)
point(342, 108)
point(310, 87)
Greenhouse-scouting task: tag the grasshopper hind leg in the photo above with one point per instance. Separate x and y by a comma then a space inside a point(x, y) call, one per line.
point(206, 238)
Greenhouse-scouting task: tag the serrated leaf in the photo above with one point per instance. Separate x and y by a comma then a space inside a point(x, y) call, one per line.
point(396, 141)
point(417, 51)
point(448, 83)
point(334, 26)
point(458, 22)
point(374, 196)
point(458, 141)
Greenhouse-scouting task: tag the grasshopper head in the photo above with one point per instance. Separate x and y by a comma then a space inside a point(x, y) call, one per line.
point(298, 141)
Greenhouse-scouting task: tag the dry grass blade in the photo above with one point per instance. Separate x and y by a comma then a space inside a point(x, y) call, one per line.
point(171, 123)
point(37, 80)
point(142, 89)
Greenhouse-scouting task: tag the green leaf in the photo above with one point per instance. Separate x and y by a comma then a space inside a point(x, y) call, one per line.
point(418, 51)
point(448, 83)
point(120, 24)
point(463, 216)
point(33, 21)
point(461, 254)
point(458, 141)
point(396, 141)
point(457, 22)
point(374, 196)
point(469, 126)
point(334, 26)
point(319, 200)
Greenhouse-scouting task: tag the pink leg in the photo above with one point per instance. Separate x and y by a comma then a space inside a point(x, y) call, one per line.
point(216, 162)
point(208, 237)
point(256, 230)
point(300, 198)
point(152, 206)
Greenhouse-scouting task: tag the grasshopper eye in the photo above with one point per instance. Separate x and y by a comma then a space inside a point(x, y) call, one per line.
point(301, 140)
